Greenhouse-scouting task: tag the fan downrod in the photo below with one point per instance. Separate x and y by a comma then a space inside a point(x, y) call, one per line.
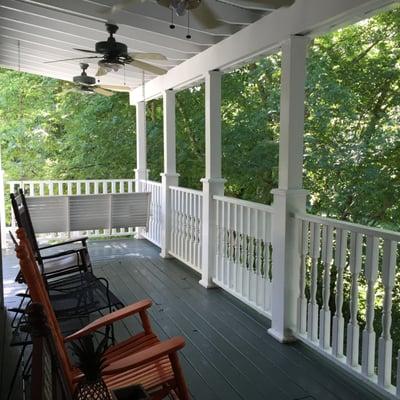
point(111, 29)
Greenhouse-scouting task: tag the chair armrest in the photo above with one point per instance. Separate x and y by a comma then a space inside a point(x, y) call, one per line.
point(108, 319)
point(82, 239)
point(146, 356)
point(62, 253)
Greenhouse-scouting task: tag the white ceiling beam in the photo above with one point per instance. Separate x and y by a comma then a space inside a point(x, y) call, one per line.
point(88, 10)
point(265, 35)
point(268, 5)
point(75, 36)
point(127, 32)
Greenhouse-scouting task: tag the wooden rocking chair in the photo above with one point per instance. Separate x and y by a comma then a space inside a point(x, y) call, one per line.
point(141, 359)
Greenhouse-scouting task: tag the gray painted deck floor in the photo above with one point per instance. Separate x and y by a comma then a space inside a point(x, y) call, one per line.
point(228, 354)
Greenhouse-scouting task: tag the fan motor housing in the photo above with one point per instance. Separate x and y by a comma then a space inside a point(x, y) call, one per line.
point(111, 48)
point(85, 80)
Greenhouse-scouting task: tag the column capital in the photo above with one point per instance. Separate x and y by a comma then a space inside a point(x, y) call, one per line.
point(169, 175)
point(213, 180)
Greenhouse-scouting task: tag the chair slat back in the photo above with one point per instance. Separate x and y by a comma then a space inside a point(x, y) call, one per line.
point(24, 220)
point(39, 294)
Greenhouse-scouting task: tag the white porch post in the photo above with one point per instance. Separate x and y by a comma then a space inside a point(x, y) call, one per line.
point(213, 184)
point(141, 171)
point(289, 197)
point(169, 177)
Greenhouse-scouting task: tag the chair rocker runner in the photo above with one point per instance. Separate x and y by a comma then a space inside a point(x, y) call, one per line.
point(141, 359)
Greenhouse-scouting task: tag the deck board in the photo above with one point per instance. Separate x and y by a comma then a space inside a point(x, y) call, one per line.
point(228, 354)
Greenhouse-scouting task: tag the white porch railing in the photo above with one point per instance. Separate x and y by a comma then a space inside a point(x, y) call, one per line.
point(186, 209)
point(243, 259)
point(71, 187)
point(331, 249)
point(154, 231)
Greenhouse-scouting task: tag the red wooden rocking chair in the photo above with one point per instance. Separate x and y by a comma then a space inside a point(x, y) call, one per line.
point(141, 359)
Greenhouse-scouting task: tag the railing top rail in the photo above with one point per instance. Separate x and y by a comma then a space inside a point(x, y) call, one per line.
point(67, 180)
point(150, 182)
point(187, 190)
point(349, 226)
point(245, 203)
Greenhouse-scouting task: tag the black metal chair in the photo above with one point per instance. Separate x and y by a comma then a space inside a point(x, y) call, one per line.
point(54, 259)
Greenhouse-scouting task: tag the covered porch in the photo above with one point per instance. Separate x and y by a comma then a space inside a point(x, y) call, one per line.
point(258, 290)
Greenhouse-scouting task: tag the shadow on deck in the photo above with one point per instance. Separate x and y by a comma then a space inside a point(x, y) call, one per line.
point(228, 353)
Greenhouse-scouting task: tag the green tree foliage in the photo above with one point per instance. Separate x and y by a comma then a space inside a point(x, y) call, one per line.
point(50, 132)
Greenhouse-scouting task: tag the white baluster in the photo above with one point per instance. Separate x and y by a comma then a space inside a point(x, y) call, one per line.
point(353, 329)
point(236, 265)
point(385, 341)
point(369, 337)
point(302, 299)
point(219, 241)
point(325, 313)
point(338, 320)
point(312, 322)
point(41, 189)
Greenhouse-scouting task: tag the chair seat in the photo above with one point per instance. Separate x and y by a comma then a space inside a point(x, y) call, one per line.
point(153, 376)
point(81, 293)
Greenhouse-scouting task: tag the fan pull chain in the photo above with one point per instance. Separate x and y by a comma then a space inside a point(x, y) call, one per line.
point(188, 35)
point(172, 26)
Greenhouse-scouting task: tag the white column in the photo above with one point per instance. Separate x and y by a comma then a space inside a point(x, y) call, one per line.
point(213, 184)
point(169, 177)
point(289, 197)
point(141, 171)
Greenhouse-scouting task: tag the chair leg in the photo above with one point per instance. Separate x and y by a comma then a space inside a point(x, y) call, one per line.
point(179, 378)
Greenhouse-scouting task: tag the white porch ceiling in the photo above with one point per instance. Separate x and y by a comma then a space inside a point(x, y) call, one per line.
point(50, 29)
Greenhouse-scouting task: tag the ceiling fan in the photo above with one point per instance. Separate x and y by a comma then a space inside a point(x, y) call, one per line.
point(114, 55)
point(198, 9)
point(87, 84)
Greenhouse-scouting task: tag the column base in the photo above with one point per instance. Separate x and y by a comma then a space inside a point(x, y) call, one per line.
point(165, 254)
point(207, 283)
point(281, 338)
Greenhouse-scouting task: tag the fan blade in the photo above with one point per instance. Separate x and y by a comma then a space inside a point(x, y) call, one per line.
point(87, 51)
point(164, 3)
point(116, 88)
point(71, 59)
point(101, 71)
point(205, 16)
point(103, 92)
point(147, 56)
point(148, 67)
point(121, 5)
